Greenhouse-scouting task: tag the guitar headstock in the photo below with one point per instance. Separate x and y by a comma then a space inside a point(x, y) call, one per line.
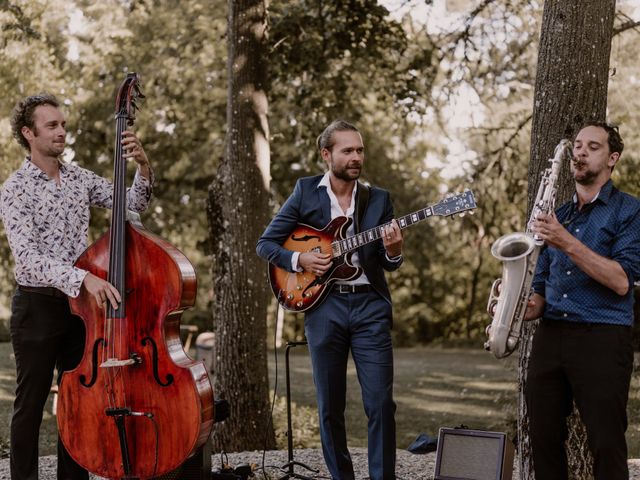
point(128, 93)
point(455, 204)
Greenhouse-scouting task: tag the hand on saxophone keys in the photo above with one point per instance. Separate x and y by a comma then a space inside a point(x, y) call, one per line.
point(548, 228)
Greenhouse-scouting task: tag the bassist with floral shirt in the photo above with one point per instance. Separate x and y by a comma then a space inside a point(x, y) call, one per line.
point(44, 206)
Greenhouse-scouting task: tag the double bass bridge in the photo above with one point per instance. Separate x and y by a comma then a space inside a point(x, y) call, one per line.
point(116, 363)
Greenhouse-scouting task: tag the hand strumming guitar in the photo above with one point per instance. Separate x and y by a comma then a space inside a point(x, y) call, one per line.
point(314, 262)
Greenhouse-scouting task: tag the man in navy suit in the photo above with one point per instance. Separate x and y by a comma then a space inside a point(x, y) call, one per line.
point(355, 315)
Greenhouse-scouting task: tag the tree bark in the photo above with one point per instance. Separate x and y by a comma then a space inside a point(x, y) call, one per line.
point(570, 89)
point(237, 212)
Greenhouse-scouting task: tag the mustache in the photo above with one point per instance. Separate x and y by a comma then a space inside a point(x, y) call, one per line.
point(578, 162)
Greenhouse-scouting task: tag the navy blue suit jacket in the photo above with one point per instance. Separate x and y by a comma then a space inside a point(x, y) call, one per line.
point(310, 204)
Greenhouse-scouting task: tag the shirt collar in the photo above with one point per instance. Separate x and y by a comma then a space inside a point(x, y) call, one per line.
point(33, 170)
point(325, 182)
point(603, 194)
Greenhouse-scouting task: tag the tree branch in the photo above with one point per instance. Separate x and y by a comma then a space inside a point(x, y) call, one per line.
point(626, 26)
point(626, 23)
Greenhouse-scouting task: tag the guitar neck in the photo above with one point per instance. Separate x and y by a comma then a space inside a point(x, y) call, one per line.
point(346, 245)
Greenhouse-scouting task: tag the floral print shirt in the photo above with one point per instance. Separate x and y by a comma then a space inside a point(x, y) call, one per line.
point(47, 224)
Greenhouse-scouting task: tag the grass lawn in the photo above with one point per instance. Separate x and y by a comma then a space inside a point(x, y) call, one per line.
point(433, 388)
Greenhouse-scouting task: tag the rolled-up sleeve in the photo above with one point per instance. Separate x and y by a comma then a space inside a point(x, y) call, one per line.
point(138, 195)
point(626, 247)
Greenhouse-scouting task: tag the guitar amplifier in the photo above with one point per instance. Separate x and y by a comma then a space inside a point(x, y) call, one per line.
point(473, 455)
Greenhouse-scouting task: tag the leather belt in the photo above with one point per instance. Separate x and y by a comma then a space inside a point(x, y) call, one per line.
point(362, 288)
point(49, 291)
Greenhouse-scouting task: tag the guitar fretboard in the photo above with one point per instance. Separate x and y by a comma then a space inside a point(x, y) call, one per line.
point(348, 244)
point(450, 206)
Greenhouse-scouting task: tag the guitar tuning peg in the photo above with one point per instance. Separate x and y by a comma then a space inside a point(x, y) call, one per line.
point(462, 214)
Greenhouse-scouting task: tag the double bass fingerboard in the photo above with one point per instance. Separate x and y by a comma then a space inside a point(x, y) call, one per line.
point(117, 247)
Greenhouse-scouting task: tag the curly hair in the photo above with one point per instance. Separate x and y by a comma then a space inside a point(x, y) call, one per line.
point(23, 114)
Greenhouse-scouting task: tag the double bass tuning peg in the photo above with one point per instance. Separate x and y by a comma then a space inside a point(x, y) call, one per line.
point(139, 93)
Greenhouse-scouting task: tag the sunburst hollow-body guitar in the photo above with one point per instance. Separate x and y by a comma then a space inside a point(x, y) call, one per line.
point(300, 291)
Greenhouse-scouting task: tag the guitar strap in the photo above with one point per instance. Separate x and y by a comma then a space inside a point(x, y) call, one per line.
point(362, 199)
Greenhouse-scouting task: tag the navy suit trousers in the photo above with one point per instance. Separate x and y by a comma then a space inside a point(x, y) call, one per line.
point(360, 323)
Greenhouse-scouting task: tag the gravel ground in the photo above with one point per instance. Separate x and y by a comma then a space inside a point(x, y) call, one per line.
point(409, 466)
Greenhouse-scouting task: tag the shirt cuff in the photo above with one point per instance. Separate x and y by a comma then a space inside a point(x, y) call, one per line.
point(294, 262)
point(393, 259)
point(146, 182)
point(72, 288)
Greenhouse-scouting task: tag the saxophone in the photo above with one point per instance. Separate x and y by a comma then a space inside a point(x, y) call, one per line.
point(518, 253)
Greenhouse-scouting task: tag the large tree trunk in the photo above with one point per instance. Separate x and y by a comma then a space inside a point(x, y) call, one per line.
point(571, 88)
point(238, 210)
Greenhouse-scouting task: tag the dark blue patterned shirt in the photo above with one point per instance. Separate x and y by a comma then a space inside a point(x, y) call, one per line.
point(610, 226)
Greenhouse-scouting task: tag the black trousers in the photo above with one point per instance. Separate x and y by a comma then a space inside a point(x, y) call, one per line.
point(591, 364)
point(44, 335)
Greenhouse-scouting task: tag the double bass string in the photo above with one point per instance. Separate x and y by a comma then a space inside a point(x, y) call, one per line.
point(109, 351)
point(116, 340)
point(119, 254)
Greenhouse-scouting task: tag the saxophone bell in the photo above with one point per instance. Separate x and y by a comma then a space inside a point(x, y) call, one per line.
point(519, 253)
point(515, 251)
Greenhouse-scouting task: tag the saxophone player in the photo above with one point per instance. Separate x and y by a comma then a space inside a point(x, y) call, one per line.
point(583, 291)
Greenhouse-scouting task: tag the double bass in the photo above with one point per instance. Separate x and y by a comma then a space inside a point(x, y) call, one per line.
point(137, 406)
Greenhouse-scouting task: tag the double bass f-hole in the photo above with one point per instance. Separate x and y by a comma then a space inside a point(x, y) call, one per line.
point(94, 364)
point(149, 340)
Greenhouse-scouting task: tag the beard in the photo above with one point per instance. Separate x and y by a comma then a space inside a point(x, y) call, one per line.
point(54, 149)
point(582, 174)
point(345, 174)
point(348, 173)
